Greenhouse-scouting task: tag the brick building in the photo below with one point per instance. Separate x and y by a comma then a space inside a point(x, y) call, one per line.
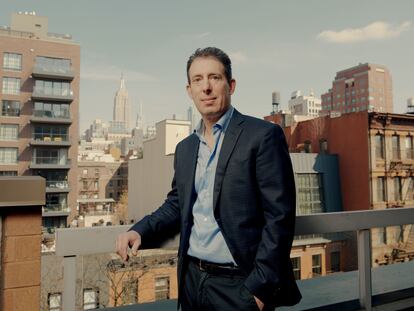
point(39, 100)
point(363, 87)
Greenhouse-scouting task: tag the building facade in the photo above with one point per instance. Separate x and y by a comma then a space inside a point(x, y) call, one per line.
point(363, 87)
point(39, 111)
point(304, 105)
point(375, 153)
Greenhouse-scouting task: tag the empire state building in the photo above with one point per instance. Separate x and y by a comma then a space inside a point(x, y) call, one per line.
point(122, 108)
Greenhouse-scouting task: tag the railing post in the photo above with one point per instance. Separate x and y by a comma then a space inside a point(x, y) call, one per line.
point(364, 269)
point(69, 283)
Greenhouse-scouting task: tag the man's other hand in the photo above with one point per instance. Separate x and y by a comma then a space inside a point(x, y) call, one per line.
point(128, 239)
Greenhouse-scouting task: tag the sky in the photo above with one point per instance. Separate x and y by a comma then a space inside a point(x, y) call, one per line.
point(274, 46)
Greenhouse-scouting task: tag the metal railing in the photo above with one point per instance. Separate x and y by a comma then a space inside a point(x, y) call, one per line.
point(57, 184)
point(62, 207)
point(50, 137)
point(76, 241)
point(51, 114)
point(51, 160)
point(38, 90)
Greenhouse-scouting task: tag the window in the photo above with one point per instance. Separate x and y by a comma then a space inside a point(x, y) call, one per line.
point(396, 147)
point(316, 265)
point(335, 261)
point(130, 292)
point(308, 146)
point(90, 299)
point(96, 185)
point(53, 88)
point(11, 86)
point(111, 183)
point(397, 189)
point(85, 171)
point(162, 288)
point(380, 189)
point(9, 131)
point(12, 61)
point(53, 64)
point(323, 146)
point(399, 234)
point(379, 146)
point(119, 183)
point(51, 110)
point(409, 151)
point(410, 194)
point(85, 184)
point(8, 173)
point(8, 155)
point(10, 108)
point(54, 302)
point(382, 236)
point(296, 267)
point(310, 190)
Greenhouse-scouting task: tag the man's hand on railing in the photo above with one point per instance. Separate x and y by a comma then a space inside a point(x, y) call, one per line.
point(125, 240)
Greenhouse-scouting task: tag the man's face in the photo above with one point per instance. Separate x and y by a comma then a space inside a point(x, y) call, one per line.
point(209, 88)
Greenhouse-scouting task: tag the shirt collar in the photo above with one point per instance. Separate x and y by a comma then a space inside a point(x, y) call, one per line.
point(222, 123)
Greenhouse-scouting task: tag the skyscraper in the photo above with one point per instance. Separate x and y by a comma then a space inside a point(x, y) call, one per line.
point(39, 111)
point(122, 108)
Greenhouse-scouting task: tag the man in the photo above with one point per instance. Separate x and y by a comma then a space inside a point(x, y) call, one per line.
point(232, 199)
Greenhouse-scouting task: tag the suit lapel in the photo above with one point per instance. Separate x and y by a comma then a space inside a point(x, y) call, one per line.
point(230, 139)
point(190, 156)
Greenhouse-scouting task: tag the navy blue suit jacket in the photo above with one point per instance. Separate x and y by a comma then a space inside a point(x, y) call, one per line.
point(253, 201)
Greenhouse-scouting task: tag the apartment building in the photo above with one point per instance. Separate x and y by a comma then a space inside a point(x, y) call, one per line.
point(376, 163)
point(39, 100)
point(362, 87)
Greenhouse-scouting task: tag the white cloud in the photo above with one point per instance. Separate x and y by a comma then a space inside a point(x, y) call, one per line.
point(113, 73)
point(202, 35)
point(375, 31)
point(237, 57)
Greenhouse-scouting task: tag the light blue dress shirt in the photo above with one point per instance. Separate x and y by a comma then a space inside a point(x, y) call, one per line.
point(206, 239)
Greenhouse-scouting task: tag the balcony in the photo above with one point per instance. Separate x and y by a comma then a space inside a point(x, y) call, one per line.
point(383, 288)
point(50, 139)
point(61, 209)
point(50, 163)
point(49, 116)
point(46, 71)
point(50, 94)
point(53, 186)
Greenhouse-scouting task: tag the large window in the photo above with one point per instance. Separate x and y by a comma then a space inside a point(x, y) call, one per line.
point(296, 267)
point(396, 154)
point(53, 64)
point(12, 61)
point(162, 288)
point(51, 110)
point(50, 133)
point(90, 299)
point(9, 131)
point(54, 302)
point(53, 88)
point(8, 155)
point(130, 292)
point(10, 108)
point(8, 173)
point(382, 236)
point(50, 156)
point(409, 151)
point(316, 265)
point(11, 86)
point(397, 189)
point(335, 261)
point(381, 189)
point(310, 190)
point(379, 146)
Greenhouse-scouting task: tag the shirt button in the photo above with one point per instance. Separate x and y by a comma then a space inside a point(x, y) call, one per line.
point(205, 218)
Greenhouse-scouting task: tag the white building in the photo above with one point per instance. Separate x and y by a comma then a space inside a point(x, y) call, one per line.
point(122, 109)
point(305, 105)
point(149, 178)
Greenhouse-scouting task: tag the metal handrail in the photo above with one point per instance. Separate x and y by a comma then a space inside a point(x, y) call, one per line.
point(73, 242)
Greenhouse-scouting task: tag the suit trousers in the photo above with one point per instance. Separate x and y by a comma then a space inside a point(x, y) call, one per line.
point(204, 291)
